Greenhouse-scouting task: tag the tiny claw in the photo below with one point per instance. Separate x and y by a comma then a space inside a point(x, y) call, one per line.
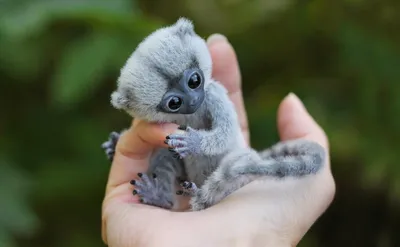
point(133, 182)
point(179, 192)
point(171, 150)
point(187, 185)
point(141, 200)
point(134, 192)
point(140, 174)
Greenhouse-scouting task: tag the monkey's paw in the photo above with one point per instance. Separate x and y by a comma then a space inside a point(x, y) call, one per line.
point(109, 146)
point(188, 188)
point(184, 144)
point(151, 192)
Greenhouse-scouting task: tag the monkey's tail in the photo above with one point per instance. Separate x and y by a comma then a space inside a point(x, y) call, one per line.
point(297, 158)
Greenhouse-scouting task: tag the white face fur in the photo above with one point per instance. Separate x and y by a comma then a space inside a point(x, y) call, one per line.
point(162, 56)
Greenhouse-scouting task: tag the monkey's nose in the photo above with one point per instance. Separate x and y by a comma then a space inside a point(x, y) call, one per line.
point(194, 101)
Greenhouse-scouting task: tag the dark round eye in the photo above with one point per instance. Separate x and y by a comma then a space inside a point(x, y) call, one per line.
point(174, 103)
point(194, 80)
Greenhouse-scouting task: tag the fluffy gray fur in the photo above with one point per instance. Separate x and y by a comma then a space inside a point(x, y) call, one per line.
point(215, 160)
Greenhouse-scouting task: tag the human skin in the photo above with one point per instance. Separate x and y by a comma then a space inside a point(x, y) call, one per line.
point(267, 212)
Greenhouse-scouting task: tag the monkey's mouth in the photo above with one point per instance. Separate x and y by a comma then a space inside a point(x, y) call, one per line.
point(192, 108)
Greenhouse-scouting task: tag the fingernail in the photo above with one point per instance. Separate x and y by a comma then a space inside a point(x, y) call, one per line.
point(296, 101)
point(169, 128)
point(216, 37)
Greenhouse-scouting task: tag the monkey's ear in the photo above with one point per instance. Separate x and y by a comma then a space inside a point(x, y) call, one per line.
point(119, 101)
point(184, 26)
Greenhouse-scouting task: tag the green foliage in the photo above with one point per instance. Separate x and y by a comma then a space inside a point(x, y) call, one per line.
point(16, 215)
point(59, 61)
point(82, 67)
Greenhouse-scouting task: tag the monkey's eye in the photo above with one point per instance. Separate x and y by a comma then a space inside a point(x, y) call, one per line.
point(194, 80)
point(174, 103)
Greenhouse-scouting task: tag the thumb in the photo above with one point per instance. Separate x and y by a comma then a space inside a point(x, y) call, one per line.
point(295, 122)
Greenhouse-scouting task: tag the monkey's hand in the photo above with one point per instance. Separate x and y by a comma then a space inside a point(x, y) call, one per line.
point(151, 191)
point(185, 144)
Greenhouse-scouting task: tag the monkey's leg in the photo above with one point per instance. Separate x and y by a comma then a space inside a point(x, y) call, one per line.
point(110, 145)
point(157, 187)
point(296, 158)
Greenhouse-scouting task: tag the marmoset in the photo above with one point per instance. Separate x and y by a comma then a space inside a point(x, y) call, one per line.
point(168, 78)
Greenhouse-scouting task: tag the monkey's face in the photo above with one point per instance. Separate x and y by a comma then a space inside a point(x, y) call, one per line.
point(166, 75)
point(185, 95)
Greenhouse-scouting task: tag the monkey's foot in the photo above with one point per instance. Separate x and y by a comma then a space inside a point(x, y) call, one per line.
point(184, 144)
point(210, 193)
point(188, 188)
point(198, 201)
point(109, 146)
point(151, 192)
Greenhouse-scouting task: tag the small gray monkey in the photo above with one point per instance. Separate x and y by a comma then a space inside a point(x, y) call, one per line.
point(168, 79)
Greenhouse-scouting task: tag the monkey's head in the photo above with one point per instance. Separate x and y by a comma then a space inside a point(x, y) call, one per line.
point(166, 75)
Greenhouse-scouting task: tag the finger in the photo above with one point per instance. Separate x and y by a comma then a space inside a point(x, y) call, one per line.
point(134, 148)
point(295, 122)
point(226, 70)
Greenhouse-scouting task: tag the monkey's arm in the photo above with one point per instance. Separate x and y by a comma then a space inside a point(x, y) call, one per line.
point(225, 127)
point(223, 132)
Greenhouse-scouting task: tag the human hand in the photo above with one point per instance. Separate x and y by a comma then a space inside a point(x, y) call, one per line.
point(263, 213)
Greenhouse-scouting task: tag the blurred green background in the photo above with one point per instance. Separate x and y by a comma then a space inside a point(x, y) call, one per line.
point(59, 61)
